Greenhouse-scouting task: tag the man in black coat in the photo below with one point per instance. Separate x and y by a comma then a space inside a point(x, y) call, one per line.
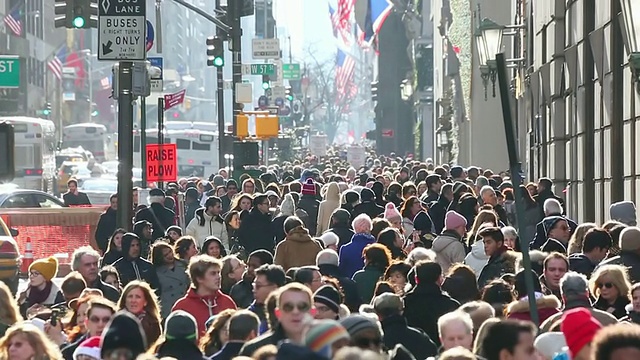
point(389, 308)
point(327, 262)
point(595, 248)
point(545, 192)
point(107, 224)
point(157, 214)
point(341, 226)
point(309, 202)
point(255, 231)
point(552, 208)
point(438, 209)
point(426, 302)
point(132, 267)
point(368, 205)
point(73, 197)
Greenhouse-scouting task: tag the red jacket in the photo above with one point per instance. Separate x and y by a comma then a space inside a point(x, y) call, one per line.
point(203, 307)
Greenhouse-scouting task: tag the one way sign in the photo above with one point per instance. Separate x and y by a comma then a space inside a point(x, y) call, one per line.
point(121, 29)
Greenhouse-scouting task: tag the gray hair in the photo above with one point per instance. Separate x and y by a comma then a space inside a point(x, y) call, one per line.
point(79, 253)
point(552, 206)
point(327, 256)
point(419, 254)
point(509, 231)
point(485, 189)
point(454, 316)
point(573, 283)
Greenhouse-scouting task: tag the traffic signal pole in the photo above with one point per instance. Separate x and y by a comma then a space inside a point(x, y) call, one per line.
point(233, 11)
point(124, 213)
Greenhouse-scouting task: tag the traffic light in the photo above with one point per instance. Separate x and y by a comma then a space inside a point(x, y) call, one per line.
point(7, 146)
point(265, 82)
point(76, 14)
point(215, 51)
point(287, 93)
point(374, 91)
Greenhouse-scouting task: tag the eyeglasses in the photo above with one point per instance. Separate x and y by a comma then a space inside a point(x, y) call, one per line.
point(301, 306)
point(96, 319)
point(366, 342)
point(34, 274)
point(607, 285)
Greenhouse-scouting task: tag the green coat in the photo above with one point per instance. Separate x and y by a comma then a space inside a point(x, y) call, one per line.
point(366, 280)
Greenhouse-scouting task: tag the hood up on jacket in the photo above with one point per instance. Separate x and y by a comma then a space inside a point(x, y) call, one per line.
point(333, 192)
point(203, 217)
point(127, 239)
point(624, 211)
point(367, 195)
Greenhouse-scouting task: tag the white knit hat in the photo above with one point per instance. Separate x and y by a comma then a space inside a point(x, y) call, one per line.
point(89, 347)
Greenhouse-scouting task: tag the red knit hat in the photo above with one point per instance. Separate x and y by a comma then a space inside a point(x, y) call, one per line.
point(309, 187)
point(579, 328)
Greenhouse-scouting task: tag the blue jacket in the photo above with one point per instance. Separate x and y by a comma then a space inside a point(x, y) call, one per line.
point(351, 254)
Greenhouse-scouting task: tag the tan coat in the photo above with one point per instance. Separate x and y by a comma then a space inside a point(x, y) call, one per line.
point(297, 249)
point(327, 206)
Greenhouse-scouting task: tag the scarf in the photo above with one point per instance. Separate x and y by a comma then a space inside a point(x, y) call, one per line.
point(37, 296)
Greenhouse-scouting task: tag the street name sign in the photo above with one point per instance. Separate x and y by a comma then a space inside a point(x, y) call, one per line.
point(121, 30)
point(156, 81)
point(258, 69)
point(9, 71)
point(265, 48)
point(291, 71)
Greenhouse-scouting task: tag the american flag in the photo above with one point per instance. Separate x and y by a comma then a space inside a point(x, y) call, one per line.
point(57, 63)
point(342, 21)
point(13, 22)
point(345, 69)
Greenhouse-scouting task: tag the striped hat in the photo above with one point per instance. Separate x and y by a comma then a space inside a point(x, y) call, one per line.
point(322, 334)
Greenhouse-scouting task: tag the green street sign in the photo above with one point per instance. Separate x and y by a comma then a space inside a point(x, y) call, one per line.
point(9, 71)
point(291, 71)
point(263, 69)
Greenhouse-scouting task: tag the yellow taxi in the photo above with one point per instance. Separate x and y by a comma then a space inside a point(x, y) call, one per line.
point(9, 257)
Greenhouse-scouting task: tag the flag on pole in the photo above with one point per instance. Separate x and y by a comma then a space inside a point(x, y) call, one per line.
point(377, 13)
point(342, 21)
point(345, 69)
point(13, 21)
point(56, 64)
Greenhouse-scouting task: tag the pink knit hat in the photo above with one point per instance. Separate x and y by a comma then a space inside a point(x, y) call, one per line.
point(454, 220)
point(309, 187)
point(390, 212)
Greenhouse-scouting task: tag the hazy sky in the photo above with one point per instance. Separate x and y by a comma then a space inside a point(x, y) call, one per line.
point(308, 24)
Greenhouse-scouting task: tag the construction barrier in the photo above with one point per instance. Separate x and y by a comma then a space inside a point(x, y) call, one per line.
point(53, 232)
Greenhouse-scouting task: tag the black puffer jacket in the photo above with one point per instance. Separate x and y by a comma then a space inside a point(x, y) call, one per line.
point(580, 263)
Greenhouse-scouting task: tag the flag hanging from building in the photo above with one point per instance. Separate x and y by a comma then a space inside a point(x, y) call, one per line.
point(345, 69)
point(56, 64)
point(13, 20)
point(377, 13)
point(342, 21)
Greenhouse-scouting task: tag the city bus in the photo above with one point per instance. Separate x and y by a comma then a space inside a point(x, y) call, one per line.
point(91, 137)
point(197, 150)
point(34, 154)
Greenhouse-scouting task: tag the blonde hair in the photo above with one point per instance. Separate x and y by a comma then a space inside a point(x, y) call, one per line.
point(152, 308)
point(42, 347)
point(198, 266)
point(617, 274)
point(483, 216)
point(9, 310)
point(576, 240)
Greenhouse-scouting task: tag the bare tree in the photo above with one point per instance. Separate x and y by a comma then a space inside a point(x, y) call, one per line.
point(323, 92)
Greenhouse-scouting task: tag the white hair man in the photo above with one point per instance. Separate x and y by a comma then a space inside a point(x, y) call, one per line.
point(552, 208)
point(85, 262)
point(456, 329)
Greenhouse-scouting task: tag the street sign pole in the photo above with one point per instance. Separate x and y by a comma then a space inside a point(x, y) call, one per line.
point(124, 213)
point(220, 105)
point(160, 130)
point(143, 138)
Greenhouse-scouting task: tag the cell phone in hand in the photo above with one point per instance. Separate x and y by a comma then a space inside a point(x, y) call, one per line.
point(54, 317)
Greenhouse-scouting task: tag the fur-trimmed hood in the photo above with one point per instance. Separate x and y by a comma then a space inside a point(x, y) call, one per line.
point(544, 302)
point(537, 257)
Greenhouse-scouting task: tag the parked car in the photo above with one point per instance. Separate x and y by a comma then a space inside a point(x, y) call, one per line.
point(9, 257)
point(24, 199)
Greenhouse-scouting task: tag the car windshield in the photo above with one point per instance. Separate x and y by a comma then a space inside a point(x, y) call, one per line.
point(100, 185)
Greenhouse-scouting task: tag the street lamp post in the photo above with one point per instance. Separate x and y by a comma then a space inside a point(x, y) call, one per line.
point(631, 22)
point(488, 39)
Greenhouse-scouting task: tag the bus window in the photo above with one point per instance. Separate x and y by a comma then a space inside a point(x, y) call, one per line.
point(183, 144)
point(91, 130)
point(206, 138)
point(199, 146)
point(20, 128)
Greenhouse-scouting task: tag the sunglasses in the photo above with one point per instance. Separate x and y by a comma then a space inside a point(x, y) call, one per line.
point(96, 319)
point(607, 285)
point(301, 306)
point(366, 343)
